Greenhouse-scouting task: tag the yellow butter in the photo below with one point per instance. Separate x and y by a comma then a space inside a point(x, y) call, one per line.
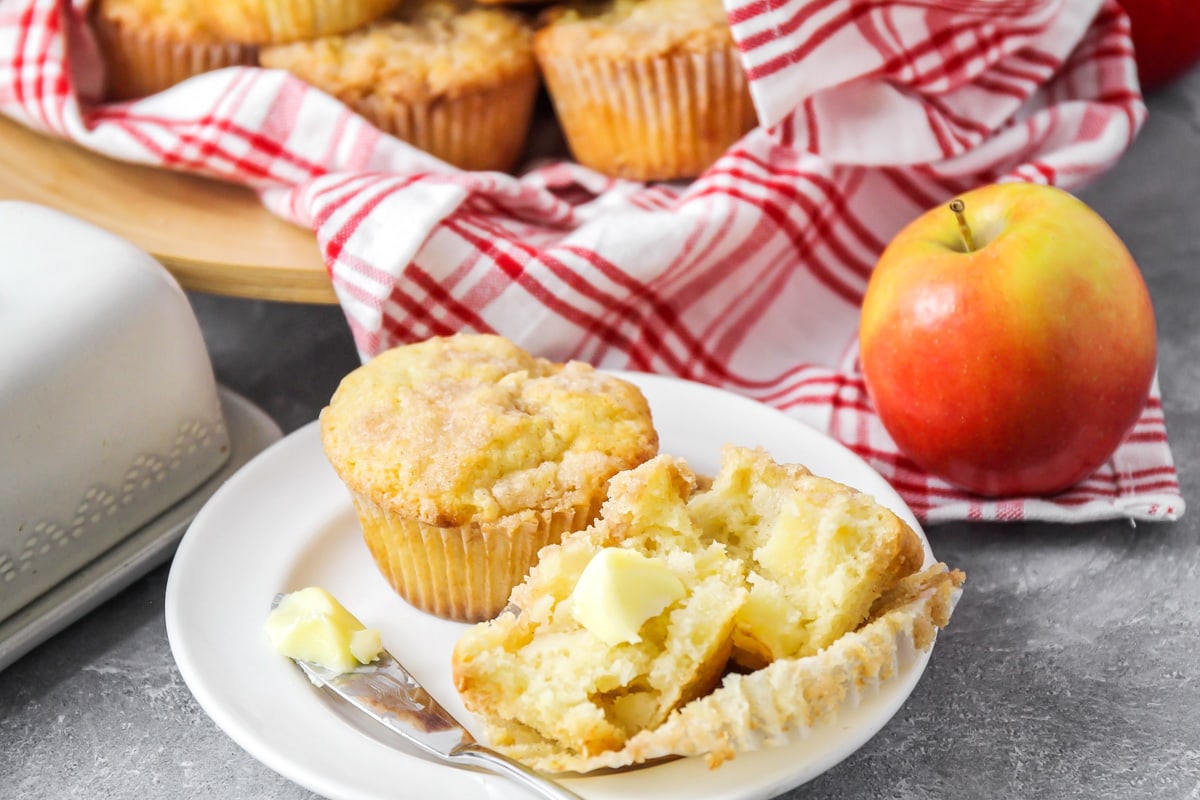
point(311, 625)
point(619, 590)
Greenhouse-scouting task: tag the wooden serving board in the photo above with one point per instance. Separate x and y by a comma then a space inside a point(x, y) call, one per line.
point(213, 237)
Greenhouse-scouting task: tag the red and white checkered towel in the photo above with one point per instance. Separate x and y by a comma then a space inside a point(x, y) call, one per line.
point(749, 278)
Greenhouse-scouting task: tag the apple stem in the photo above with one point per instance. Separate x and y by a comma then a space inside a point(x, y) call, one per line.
point(957, 206)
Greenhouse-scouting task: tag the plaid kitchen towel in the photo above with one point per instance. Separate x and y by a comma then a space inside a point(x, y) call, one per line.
point(748, 278)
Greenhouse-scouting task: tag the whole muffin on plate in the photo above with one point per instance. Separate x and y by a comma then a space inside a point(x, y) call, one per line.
point(276, 21)
point(454, 79)
point(465, 455)
point(150, 45)
point(645, 89)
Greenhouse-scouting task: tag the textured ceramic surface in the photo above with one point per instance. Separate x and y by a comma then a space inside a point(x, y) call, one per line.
point(108, 407)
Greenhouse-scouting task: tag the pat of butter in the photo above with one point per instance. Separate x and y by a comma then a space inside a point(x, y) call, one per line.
point(311, 625)
point(619, 590)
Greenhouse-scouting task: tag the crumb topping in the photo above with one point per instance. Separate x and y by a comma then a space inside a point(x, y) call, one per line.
point(434, 48)
point(619, 28)
point(167, 17)
point(471, 428)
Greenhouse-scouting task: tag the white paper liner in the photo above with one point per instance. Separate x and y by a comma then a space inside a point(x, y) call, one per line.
point(462, 572)
point(140, 61)
point(784, 701)
point(650, 118)
point(480, 129)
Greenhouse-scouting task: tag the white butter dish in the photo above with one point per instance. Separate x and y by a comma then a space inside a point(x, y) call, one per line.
point(109, 412)
point(251, 431)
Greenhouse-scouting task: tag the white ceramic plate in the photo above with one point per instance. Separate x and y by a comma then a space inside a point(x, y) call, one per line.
point(285, 522)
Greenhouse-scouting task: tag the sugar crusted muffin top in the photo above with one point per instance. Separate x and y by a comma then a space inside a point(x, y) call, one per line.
point(624, 28)
point(472, 428)
point(428, 49)
point(167, 17)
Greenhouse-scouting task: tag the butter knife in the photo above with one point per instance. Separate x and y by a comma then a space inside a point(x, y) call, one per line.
point(388, 693)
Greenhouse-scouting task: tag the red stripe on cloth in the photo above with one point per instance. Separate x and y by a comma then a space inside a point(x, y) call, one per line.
point(357, 293)
point(422, 324)
point(50, 99)
point(955, 60)
point(654, 319)
point(1026, 66)
point(173, 157)
point(769, 67)
point(645, 309)
point(938, 129)
point(780, 395)
point(811, 129)
point(801, 240)
point(351, 183)
point(256, 141)
point(517, 271)
point(24, 24)
point(335, 245)
point(623, 309)
point(661, 317)
point(785, 177)
point(777, 31)
point(786, 184)
point(437, 292)
point(965, 130)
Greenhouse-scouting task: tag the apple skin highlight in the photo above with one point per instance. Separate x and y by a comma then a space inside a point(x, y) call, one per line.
point(1016, 368)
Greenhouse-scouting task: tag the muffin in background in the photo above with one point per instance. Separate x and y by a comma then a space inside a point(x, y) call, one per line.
point(151, 45)
point(465, 455)
point(645, 89)
point(454, 79)
point(278, 21)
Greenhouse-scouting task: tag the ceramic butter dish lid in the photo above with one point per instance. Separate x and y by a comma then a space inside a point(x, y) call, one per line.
point(109, 412)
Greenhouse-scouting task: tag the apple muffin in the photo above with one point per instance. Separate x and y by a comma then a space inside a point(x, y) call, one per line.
point(465, 455)
point(622, 645)
point(151, 45)
point(278, 21)
point(455, 79)
point(645, 89)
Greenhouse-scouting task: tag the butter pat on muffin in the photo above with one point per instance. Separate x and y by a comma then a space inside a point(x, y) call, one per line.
point(538, 677)
point(452, 78)
point(466, 455)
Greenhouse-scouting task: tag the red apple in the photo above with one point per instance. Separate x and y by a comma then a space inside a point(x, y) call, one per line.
point(1166, 38)
point(1014, 365)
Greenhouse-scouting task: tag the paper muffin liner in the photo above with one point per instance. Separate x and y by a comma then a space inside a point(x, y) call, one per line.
point(466, 572)
point(280, 21)
point(650, 118)
point(143, 60)
point(482, 129)
point(782, 702)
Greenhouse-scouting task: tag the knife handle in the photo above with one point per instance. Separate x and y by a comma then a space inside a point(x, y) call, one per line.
point(476, 755)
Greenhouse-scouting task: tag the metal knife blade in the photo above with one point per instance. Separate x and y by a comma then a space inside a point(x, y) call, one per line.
point(389, 694)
